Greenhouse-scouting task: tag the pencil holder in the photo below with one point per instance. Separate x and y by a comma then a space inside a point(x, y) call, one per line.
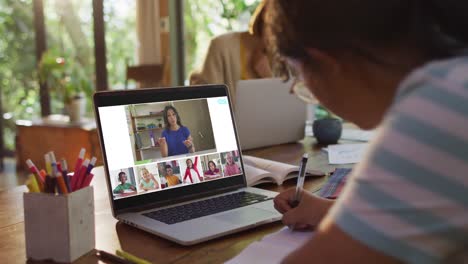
point(59, 227)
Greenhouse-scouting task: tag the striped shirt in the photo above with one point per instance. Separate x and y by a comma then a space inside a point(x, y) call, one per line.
point(409, 197)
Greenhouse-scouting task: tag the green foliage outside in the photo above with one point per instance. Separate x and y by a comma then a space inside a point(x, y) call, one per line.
point(72, 22)
point(69, 29)
point(69, 25)
point(18, 85)
point(66, 79)
point(121, 39)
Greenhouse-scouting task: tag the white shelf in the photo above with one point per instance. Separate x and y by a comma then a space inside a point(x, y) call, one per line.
point(149, 129)
point(152, 115)
point(148, 148)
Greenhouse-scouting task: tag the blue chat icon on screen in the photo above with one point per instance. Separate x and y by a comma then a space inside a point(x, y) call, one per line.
point(222, 101)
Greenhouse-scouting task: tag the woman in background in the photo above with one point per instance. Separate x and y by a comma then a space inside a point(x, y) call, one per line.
point(175, 138)
point(236, 56)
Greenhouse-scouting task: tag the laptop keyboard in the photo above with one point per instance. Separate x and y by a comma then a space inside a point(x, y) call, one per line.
point(202, 208)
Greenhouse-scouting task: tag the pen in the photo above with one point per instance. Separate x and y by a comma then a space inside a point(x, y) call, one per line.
point(76, 172)
point(88, 171)
point(131, 257)
point(79, 161)
point(31, 183)
point(65, 174)
point(88, 180)
point(49, 186)
point(111, 257)
point(300, 182)
point(43, 174)
point(48, 164)
point(53, 163)
point(55, 173)
point(35, 171)
point(78, 177)
point(59, 167)
point(61, 183)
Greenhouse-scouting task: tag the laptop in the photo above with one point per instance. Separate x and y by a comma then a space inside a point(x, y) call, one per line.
point(184, 201)
point(267, 114)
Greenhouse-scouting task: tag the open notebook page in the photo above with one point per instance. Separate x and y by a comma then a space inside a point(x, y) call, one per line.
point(272, 248)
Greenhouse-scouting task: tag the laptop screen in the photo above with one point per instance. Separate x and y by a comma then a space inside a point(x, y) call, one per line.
point(155, 145)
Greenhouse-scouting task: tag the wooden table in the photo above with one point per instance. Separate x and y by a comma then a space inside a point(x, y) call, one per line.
point(112, 235)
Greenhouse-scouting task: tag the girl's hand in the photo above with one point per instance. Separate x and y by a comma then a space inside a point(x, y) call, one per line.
point(307, 214)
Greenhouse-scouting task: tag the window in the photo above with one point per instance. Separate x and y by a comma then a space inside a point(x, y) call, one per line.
point(18, 85)
point(205, 19)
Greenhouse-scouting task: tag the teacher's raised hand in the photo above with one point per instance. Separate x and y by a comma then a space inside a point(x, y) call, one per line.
point(162, 141)
point(189, 144)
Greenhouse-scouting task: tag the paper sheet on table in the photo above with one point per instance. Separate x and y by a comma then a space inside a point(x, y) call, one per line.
point(346, 153)
point(272, 248)
point(357, 134)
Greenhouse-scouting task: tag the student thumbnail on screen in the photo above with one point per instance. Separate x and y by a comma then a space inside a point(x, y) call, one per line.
point(212, 168)
point(123, 183)
point(148, 178)
point(169, 174)
point(192, 171)
point(231, 163)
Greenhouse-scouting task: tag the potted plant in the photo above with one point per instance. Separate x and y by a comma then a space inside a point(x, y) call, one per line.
point(327, 127)
point(67, 81)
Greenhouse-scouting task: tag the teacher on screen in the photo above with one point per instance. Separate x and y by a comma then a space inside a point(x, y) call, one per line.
point(175, 138)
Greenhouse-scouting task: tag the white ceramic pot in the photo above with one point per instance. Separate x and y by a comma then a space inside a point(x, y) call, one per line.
point(77, 108)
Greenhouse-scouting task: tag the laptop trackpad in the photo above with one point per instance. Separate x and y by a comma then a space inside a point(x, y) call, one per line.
point(245, 215)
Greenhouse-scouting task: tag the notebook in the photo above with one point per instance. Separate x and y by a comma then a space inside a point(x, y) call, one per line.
point(185, 183)
point(258, 171)
point(267, 114)
point(272, 248)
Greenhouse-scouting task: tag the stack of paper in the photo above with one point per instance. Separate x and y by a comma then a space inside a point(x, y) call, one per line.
point(272, 248)
point(346, 153)
point(357, 134)
point(351, 134)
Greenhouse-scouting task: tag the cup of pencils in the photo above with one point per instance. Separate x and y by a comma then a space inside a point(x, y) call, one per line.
point(59, 210)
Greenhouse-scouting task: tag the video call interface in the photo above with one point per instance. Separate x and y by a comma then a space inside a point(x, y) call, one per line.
point(154, 147)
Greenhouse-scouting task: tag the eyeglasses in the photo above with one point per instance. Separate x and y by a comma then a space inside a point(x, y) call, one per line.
point(302, 92)
point(288, 71)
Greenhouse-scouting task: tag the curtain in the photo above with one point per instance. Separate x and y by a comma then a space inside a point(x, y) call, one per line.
point(149, 32)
